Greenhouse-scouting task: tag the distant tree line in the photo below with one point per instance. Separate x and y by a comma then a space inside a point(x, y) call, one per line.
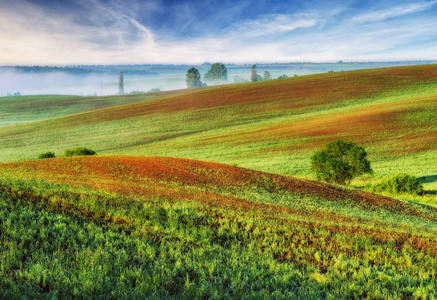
point(77, 70)
point(16, 94)
point(219, 73)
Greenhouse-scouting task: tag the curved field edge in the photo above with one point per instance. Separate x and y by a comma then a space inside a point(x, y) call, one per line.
point(70, 241)
point(271, 126)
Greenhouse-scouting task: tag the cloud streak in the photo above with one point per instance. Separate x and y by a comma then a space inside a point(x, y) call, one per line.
point(33, 34)
point(272, 25)
point(394, 12)
point(164, 31)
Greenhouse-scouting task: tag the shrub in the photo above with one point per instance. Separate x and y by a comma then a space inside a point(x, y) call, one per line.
point(399, 184)
point(46, 155)
point(80, 151)
point(340, 162)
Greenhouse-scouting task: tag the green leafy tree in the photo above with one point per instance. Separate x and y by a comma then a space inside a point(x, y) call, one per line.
point(217, 72)
point(283, 76)
point(267, 75)
point(340, 162)
point(193, 78)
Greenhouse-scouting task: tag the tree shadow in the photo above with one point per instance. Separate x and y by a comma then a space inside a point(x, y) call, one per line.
point(428, 179)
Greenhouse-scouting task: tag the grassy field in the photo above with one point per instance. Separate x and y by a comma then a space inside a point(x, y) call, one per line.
point(133, 227)
point(23, 109)
point(272, 126)
point(207, 194)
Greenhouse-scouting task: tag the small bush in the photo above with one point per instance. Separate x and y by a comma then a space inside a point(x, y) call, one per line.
point(46, 155)
point(80, 151)
point(399, 184)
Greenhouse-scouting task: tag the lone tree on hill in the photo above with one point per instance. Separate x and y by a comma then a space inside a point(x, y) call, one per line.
point(193, 78)
point(267, 75)
point(121, 84)
point(340, 162)
point(217, 72)
point(254, 76)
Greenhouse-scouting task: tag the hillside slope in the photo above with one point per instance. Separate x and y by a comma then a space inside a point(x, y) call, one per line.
point(128, 226)
point(272, 126)
point(23, 109)
point(208, 183)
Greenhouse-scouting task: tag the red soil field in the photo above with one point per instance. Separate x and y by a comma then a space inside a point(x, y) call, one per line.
point(184, 179)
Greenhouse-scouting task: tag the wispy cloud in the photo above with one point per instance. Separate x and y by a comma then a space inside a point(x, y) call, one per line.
point(393, 12)
point(162, 31)
point(102, 34)
point(272, 25)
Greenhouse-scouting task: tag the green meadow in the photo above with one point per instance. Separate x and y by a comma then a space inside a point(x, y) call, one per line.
point(207, 193)
point(16, 110)
point(272, 126)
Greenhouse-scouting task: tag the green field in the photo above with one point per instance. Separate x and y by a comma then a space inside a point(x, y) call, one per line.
point(272, 126)
point(15, 110)
point(196, 195)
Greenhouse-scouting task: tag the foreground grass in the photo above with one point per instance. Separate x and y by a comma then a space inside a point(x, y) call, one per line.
point(169, 228)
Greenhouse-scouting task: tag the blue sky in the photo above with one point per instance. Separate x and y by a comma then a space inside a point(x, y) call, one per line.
point(62, 32)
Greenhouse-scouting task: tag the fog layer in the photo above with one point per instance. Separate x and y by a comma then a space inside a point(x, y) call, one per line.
point(162, 77)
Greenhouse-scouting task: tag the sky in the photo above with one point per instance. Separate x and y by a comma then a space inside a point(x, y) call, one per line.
point(71, 32)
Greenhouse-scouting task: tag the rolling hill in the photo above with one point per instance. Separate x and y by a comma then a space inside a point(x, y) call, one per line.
point(159, 227)
point(16, 110)
point(191, 194)
point(271, 126)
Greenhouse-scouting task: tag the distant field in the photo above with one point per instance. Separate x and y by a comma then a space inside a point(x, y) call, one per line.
point(23, 109)
point(154, 227)
point(271, 126)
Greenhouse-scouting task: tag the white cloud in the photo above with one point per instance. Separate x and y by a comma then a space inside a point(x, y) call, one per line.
point(268, 25)
point(112, 34)
point(32, 35)
point(394, 12)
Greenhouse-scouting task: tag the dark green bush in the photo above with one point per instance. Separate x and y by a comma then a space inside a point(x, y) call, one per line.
point(80, 151)
point(399, 184)
point(340, 162)
point(46, 155)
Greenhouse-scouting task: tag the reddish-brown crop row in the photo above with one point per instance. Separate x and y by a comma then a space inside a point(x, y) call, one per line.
point(362, 125)
point(204, 182)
